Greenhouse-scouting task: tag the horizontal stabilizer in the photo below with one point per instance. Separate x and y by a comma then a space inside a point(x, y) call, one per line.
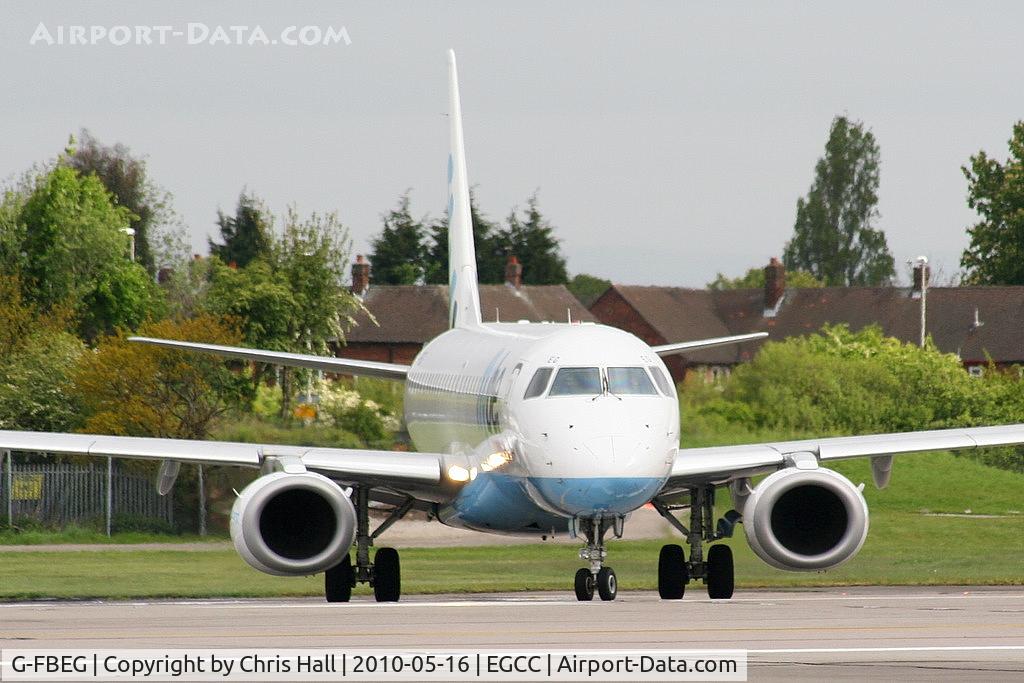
point(683, 347)
point(345, 366)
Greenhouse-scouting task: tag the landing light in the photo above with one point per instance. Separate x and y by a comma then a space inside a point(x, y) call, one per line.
point(495, 460)
point(458, 473)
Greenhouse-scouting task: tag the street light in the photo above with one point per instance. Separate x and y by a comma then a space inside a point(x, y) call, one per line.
point(131, 237)
point(921, 270)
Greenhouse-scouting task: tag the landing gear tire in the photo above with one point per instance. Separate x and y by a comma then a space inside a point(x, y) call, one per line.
point(673, 574)
point(720, 578)
point(339, 580)
point(387, 575)
point(584, 585)
point(607, 584)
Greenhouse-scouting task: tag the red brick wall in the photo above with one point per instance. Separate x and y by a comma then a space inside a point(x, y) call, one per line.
point(611, 309)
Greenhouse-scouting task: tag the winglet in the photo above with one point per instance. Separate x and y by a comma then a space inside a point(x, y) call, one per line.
point(463, 295)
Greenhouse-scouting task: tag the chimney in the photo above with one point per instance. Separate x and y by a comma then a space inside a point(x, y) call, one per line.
point(922, 274)
point(360, 276)
point(513, 272)
point(774, 286)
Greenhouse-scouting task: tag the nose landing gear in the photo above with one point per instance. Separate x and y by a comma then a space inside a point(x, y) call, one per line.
point(597, 576)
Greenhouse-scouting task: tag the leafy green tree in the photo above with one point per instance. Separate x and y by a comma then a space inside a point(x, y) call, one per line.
point(754, 279)
point(125, 177)
point(833, 238)
point(588, 288)
point(247, 235)
point(399, 253)
point(71, 249)
point(490, 251)
point(531, 238)
point(312, 255)
point(996, 191)
point(37, 359)
point(258, 297)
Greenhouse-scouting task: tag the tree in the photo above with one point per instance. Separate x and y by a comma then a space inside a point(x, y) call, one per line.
point(133, 389)
point(37, 357)
point(531, 238)
point(247, 235)
point(71, 250)
point(490, 252)
point(312, 255)
point(996, 191)
point(588, 288)
point(833, 238)
point(125, 177)
point(754, 279)
point(399, 254)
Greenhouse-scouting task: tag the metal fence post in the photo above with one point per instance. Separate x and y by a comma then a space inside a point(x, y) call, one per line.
point(10, 488)
point(110, 491)
point(202, 503)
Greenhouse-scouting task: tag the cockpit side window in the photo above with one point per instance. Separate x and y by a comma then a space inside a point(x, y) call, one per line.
point(576, 381)
point(659, 379)
point(630, 381)
point(539, 383)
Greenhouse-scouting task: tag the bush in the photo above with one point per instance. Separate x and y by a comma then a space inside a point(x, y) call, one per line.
point(840, 382)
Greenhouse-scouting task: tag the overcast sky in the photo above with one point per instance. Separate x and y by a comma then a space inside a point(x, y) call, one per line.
point(668, 141)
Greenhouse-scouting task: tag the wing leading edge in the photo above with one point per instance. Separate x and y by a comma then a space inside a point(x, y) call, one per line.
point(683, 347)
point(396, 469)
point(720, 464)
point(346, 366)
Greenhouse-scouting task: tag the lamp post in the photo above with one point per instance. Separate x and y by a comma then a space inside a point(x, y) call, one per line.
point(921, 271)
point(131, 242)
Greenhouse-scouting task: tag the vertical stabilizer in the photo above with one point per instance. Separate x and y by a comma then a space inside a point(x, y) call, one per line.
point(463, 295)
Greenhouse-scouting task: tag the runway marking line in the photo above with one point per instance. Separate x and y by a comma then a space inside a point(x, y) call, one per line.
point(498, 601)
point(922, 648)
point(93, 635)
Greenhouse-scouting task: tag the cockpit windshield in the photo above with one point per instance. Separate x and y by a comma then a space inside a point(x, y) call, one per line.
point(576, 381)
point(633, 381)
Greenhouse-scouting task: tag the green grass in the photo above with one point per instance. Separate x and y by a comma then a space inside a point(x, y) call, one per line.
point(903, 548)
point(79, 534)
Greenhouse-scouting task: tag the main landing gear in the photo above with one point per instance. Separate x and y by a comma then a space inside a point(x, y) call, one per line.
point(384, 573)
point(597, 576)
point(674, 572)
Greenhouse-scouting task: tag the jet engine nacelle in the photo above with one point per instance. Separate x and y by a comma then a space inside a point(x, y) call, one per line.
point(805, 519)
point(292, 524)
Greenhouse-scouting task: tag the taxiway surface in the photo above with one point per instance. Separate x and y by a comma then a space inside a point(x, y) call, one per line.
point(841, 633)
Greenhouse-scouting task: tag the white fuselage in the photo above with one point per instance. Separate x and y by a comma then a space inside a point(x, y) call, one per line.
point(593, 436)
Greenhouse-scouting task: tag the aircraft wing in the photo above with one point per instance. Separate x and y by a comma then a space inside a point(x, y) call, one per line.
point(683, 347)
point(395, 469)
point(720, 464)
point(348, 366)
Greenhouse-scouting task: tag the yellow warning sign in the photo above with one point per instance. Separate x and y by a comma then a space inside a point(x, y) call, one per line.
point(27, 487)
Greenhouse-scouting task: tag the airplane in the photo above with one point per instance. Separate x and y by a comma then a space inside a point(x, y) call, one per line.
point(534, 429)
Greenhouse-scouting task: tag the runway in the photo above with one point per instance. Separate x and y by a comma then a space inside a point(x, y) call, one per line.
point(843, 633)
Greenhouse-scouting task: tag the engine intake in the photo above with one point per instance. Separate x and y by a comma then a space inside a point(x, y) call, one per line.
point(292, 524)
point(805, 519)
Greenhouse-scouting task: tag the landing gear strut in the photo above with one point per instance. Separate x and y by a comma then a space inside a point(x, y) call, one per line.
point(597, 576)
point(384, 573)
point(674, 572)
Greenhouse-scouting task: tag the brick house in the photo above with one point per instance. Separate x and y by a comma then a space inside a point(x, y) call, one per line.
point(976, 323)
point(408, 316)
